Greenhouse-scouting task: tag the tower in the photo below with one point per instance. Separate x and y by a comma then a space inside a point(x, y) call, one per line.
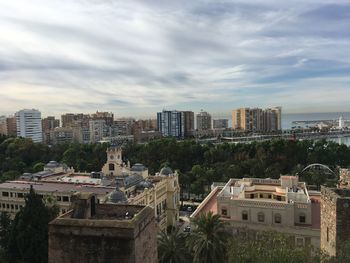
point(114, 163)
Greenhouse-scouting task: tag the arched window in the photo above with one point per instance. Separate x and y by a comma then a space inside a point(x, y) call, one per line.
point(302, 218)
point(278, 219)
point(111, 166)
point(261, 217)
point(244, 215)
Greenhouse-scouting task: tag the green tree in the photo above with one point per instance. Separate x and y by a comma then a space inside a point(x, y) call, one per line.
point(5, 231)
point(208, 239)
point(29, 233)
point(172, 247)
point(38, 167)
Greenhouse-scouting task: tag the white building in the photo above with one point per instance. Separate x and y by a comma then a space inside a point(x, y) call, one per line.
point(98, 130)
point(341, 123)
point(29, 124)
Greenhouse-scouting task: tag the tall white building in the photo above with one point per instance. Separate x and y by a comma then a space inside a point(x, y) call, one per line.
point(29, 124)
point(341, 123)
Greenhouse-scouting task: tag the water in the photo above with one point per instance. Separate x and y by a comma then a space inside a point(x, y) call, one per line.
point(287, 120)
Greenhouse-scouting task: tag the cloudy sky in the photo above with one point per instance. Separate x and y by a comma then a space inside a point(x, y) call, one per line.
point(138, 57)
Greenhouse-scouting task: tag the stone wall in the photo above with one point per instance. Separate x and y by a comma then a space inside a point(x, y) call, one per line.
point(335, 219)
point(104, 239)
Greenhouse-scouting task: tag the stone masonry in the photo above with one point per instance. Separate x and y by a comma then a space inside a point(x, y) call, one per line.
point(103, 233)
point(335, 219)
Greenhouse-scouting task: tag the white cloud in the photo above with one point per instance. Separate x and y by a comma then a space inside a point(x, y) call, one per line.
point(136, 57)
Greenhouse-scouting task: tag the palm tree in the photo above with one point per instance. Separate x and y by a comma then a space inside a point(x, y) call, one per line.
point(208, 240)
point(172, 247)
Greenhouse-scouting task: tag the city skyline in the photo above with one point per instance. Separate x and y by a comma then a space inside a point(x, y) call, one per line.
point(135, 58)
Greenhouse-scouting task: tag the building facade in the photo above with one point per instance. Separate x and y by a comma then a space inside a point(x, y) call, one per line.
point(203, 120)
point(257, 120)
point(28, 123)
point(253, 205)
point(50, 123)
point(171, 123)
point(98, 129)
point(219, 124)
point(11, 126)
point(94, 232)
point(188, 123)
point(3, 125)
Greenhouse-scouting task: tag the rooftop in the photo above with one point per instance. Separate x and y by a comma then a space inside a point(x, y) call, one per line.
point(55, 187)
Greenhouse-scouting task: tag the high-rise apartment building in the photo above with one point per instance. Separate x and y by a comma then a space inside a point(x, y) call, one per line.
point(3, 126)
point(98, 130)
point(203, 121)
point(171, 123)
point(70, 118)
point(28, 124)
point(50, 123)
point(257, 120)
point(220, 124)
point(188, 123)
point(278, 111)
point(11, 126)
point(108, 117)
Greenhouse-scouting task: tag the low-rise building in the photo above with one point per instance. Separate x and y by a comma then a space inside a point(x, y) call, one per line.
point(12, 193)
point(255, 205)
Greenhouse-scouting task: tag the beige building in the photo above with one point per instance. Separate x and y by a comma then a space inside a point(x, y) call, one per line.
point(3, 125)
point(136, 186)
point(12, 193)
point(257, 120)
point(255, 205)
point(117, 183)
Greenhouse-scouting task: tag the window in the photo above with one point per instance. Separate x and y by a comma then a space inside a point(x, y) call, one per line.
point(5, 194)
point(65, 199)
point(251, 196)
point(244, 215)
point(269, 196)
point(12, 207)
point(224, 211)
point(16, 207)
point(20, 195)
point(11, 194)
point(279, 198)
point(111, 167)
point(7, 206)
point(278, 219)
point(59, 198)
point(302, 218)
point(261, 217)
point(261, 196)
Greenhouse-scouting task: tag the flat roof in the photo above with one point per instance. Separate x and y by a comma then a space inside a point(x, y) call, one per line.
point(41, 186)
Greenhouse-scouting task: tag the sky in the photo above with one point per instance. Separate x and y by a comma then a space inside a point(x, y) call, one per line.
point(135, 58)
